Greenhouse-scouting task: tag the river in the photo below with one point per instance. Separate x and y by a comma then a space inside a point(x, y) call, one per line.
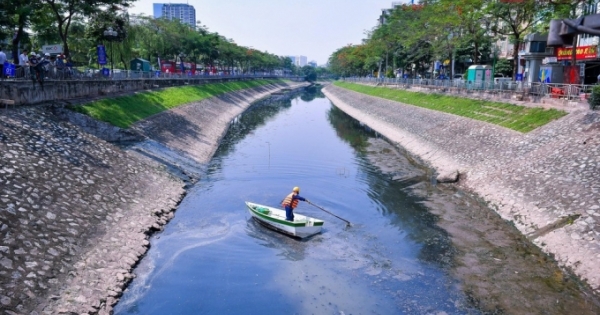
point(396, 258)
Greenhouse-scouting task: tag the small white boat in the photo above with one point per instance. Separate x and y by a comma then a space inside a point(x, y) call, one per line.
point(274, 218)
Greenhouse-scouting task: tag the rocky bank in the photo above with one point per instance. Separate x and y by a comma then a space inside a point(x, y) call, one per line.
point(545, 182)
point(76, 211)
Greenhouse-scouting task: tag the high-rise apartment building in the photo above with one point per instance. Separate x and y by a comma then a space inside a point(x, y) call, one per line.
point(176, 11)
point(301, 61)
point(298, 61)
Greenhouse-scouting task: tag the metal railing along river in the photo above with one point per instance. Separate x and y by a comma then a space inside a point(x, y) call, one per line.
point(52, 73)
point(570, 92)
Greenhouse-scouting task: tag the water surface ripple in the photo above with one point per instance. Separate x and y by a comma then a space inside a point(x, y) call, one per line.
point(212, 258)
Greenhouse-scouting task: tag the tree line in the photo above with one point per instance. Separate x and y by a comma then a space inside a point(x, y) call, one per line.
point(80, 25)
point(413, 36)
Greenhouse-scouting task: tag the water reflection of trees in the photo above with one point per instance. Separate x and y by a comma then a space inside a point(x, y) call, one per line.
point(349, 129)
point(404, 208)
point(257, 115)
point(311, 92)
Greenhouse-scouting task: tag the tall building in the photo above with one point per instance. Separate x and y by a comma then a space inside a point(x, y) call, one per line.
point(180, 11)
point(300, 61)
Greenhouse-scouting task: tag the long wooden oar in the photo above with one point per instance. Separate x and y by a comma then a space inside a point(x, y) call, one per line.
point(347, 222)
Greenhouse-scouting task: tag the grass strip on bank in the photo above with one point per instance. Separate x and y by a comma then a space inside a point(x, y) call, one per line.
point(123, 111)
point(519, 118)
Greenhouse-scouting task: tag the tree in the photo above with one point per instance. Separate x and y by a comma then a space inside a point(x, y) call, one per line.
point(407, 27)
point(16, 14)
point(515, 19)
point(310, 74)
point(65, 11)
point(504, 67)
point(349, 61)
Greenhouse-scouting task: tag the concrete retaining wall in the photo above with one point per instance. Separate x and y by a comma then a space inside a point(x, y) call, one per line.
point(25, 92)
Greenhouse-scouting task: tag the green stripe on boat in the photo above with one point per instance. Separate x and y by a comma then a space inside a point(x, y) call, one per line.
point(264, 213)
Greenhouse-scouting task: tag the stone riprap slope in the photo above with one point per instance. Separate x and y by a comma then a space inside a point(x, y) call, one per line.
point(196, 128)
point(75, 214)
point(545, 181)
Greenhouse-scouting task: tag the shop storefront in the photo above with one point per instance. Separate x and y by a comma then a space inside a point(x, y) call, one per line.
point(588, 64)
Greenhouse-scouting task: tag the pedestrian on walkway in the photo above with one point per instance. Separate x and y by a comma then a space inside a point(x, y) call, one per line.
point(23, 64)
point(34, 60)
point(60, 66)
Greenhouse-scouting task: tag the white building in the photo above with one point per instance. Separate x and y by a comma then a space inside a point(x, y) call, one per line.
point(300, 61)
point(180, 11)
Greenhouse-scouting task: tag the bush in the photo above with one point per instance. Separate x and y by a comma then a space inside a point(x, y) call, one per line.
point(594, 99)
point(390, 74)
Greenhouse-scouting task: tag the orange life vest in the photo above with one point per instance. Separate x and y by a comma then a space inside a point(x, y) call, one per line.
point(290, 201)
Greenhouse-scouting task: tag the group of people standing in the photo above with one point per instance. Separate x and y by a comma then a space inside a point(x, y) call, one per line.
point(44, 65)
point(38, 66)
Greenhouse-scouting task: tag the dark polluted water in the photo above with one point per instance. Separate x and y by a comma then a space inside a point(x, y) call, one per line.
point(213, 258)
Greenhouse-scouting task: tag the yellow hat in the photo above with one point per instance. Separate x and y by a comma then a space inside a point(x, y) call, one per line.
point(296, 189)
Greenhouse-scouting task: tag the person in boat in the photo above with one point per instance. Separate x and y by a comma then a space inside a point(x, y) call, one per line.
point(290, 202)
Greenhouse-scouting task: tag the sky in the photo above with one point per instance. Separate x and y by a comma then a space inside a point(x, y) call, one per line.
point(311, 28)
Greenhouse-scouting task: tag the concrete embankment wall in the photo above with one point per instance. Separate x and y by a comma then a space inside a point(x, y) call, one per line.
point(76, 211)
point(545, 181)
point(25, 92)
point(195, 129)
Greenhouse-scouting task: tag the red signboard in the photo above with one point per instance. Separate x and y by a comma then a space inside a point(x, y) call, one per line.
point(583, 52)
point(168, 66)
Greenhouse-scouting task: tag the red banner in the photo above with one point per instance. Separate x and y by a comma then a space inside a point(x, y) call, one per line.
point(582, 53)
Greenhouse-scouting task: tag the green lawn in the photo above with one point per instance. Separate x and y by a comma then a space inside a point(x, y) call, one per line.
point(519, 118)
point(124, 111)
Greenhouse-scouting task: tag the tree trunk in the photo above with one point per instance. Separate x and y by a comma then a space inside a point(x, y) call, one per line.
point(63, 38)
point(452, 66)
point(387, 55)
point(17, 38)
point(62, 32)
point(123, 59)
point(516, 57)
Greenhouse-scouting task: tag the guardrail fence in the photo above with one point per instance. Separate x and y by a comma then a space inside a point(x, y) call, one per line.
point(570, 92)
point(52, 73)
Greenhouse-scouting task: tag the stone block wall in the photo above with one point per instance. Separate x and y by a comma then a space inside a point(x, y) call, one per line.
point(27, 93)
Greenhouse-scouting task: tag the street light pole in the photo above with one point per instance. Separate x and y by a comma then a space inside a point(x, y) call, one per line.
point(494, 55)
point(111, 35)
